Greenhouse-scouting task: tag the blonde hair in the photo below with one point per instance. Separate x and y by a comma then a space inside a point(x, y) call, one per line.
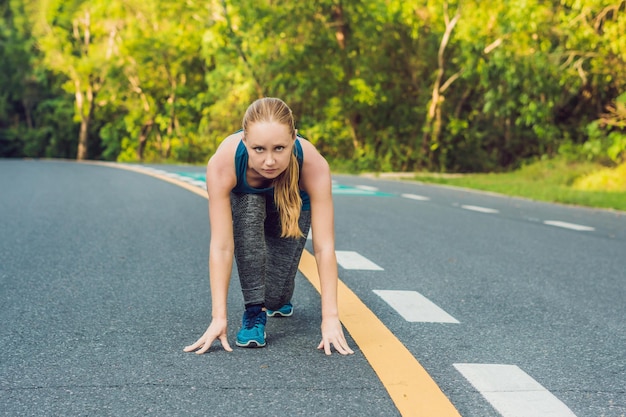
point(286, 188)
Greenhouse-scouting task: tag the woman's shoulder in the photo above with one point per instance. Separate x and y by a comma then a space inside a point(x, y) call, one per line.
point(231, 142)
point(222, 164)
point(226, 150)
point(314, 162)
point(306, 145)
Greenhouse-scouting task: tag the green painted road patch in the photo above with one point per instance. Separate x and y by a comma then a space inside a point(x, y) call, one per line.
point(199, 176)
point(338, 189)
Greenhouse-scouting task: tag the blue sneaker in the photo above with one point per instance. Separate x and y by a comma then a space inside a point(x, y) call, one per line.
point(252, 332)
point(284, 311)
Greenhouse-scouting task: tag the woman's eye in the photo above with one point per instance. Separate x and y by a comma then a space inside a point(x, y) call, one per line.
point(280, 148)
point(258, 150)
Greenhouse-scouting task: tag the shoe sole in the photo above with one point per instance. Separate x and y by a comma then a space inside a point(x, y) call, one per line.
point(277, 313)
point(251, 344)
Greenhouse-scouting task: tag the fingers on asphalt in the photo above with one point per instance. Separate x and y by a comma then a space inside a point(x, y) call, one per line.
point(224, 341)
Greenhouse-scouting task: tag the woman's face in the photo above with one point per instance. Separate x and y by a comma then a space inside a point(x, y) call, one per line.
point(269, 145)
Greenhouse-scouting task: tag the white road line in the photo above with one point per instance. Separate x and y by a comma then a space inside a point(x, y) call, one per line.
point(352, 260)
point(572, 226)
point(414, 307)
point(189, 180)
point(416, 197)
point(366, 188)
point(512, 392)
point(171, 175)
point(148, 168)
point(480, 209)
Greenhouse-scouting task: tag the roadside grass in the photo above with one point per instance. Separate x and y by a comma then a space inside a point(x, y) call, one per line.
point(553, 181)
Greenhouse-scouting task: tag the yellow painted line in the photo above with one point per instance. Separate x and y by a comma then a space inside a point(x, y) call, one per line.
point(411, 388)
point(197, 190)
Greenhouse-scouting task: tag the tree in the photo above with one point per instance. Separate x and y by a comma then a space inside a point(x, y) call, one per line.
point(376, 85)
point(160, 90)
point(79, 41)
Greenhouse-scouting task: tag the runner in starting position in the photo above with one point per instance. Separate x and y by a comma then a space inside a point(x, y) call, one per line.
point(267, 186)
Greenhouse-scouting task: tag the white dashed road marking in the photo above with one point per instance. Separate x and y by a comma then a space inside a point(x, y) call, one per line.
point(414, 307)
point(352, 260)
point(480, 209)
point(512, 392)
point(416, 197)
point(571, 226)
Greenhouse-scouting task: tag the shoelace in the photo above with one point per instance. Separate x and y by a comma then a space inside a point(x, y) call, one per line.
point(250, 322)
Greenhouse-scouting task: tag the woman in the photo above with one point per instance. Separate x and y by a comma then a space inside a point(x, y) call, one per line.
point(267, 186)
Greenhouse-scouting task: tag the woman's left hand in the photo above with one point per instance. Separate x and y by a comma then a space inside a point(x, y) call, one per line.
point(332, 334)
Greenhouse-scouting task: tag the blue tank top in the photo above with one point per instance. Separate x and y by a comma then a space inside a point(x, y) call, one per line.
point(241, 167)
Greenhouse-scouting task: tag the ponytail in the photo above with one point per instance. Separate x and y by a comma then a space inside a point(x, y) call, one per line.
point(287, 199)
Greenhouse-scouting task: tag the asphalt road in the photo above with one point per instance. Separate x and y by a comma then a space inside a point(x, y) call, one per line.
point(103, 281)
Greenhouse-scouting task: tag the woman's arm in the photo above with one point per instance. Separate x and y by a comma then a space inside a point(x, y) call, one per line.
point(220, 179)
point(315, 179)
point(221, 248)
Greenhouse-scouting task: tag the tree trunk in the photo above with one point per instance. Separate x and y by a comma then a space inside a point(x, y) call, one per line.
point(83, 134)
point(143, 138)
point(352, 126)
point(89, 96)
point(342, 33)
point(83, 137)
point(87, 99)
point(432, 125)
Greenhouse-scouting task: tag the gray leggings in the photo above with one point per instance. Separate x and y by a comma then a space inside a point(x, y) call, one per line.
point(266, 263)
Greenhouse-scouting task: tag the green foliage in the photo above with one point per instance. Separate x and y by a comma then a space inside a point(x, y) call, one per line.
point(561, 181)
point(156, 80)
point(606, 141)
point(607, 179)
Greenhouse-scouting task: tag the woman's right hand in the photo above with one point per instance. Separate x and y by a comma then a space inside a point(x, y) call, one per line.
point(217, 330)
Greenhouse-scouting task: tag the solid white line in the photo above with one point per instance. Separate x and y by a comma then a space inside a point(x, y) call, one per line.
point(572, 226)
point(366, 188)
point(199, 183)
point(512, 392)
point(148, 168)
point(172, 175)
point(352, 260)
point(414, 307)
point(416, 197)
point(480, 209)
point(153, 170)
